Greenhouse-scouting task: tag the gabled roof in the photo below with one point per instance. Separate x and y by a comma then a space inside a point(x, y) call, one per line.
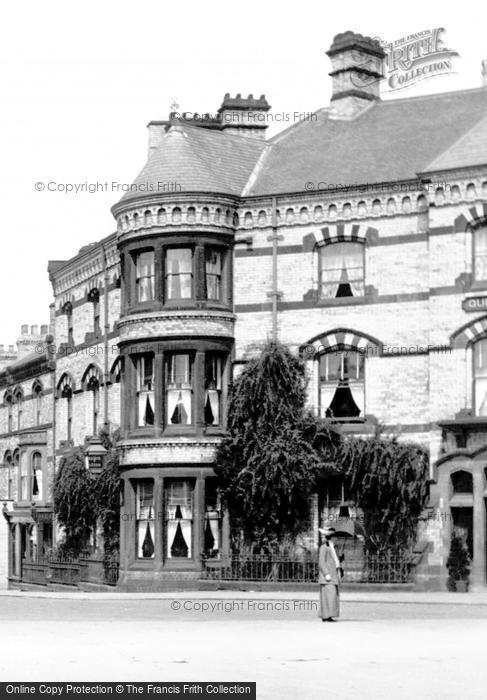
point(193, 159)
point(390, 141)
point(468, 151)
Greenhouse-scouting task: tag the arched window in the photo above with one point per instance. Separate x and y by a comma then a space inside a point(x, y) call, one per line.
point(65, 391)
point(462, 482)
point(342, 384)
point(9, 400)
point(37, 398)
point(92, 380)
point(19, 403)
point(16, 464)
point(68, 311)
point(480, 377)
point(7, 463)
point(341, 269)
point(480, 254)
point(36, 464)
point(94, 297)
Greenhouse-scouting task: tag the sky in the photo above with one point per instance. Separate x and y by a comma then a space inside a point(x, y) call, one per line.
point(80, 82)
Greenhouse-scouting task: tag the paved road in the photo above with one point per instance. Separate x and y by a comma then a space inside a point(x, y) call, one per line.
point(388, 650)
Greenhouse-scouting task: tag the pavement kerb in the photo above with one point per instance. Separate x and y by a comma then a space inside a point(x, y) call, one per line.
point(419, 598)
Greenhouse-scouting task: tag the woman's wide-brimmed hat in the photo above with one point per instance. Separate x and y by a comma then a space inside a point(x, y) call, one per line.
point(327, 531)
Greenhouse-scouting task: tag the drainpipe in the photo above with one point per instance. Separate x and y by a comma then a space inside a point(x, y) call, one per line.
point(105, 337)
point(274, 294)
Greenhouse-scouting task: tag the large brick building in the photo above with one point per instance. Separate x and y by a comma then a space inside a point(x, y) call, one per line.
point(358, 236)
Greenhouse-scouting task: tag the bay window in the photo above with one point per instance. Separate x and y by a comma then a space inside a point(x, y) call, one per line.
point(145, 519)
point(341, 270)
point(179, 273)
point(213, 268)
point(145, 390)
point(179, 389)
point(213, 386)
point(342, 390)
point(145, 276)
point(480, 377)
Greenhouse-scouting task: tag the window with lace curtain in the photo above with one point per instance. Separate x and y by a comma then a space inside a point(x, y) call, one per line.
point(145, 390)
point(213, 266)
point(145, 519)
point(213, 386)
point(480, 254)
point(341, 270)
point(145, 276)
point(342, 385)
point(179, 389)
point(179, 273)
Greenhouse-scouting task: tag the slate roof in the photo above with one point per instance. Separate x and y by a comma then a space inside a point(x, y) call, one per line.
point(200, 160)
point(390, 141)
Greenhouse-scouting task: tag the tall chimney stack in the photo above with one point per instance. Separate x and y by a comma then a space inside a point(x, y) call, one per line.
point(357, 69)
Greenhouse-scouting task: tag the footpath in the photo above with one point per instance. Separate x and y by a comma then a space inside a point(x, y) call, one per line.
point(475, 597)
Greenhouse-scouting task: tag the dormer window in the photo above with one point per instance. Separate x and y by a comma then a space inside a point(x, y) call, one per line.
point(179, 273)
point(341, 270)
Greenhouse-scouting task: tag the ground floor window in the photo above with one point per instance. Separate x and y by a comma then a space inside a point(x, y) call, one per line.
point(179, 519)
point(145, 519)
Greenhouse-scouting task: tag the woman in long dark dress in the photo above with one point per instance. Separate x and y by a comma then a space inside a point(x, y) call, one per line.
point(329, 577)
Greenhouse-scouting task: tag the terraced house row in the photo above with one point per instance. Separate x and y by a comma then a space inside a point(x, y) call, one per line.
point(359, 237)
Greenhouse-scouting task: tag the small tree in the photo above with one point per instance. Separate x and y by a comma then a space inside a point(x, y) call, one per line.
point(107, 495)
point(74, 502)
point(388, 479)
point(457, 563)
point(268, 464)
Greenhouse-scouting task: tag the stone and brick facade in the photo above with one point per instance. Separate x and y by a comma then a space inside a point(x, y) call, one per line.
point(359, 236)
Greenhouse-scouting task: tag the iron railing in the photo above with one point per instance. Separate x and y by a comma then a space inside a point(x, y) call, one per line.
point(68, 571)
point(369, 568)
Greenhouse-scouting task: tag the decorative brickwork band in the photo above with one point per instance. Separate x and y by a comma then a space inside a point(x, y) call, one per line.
point(337, 233)
point(470, 332)
point(341, 339)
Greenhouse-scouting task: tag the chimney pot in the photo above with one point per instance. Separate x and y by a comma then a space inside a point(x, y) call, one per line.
point(24, 329)
point(34, 330)
point(11, 348)
point(2, 347)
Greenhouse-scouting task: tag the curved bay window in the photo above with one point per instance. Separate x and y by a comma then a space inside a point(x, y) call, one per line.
point(480, 254)
point(341, 270)
point(179, 389)
point(342, 385)
point(480, 377)
point(176, 271)
point(178, 386)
